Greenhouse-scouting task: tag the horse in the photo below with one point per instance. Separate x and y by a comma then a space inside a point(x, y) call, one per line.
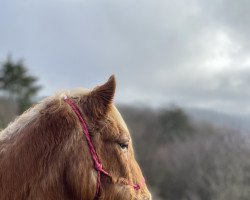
point(73, 145)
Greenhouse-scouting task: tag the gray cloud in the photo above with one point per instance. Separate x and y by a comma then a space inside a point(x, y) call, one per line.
point(194, 53)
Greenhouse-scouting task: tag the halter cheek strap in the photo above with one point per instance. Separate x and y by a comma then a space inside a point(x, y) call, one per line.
point(95, 158)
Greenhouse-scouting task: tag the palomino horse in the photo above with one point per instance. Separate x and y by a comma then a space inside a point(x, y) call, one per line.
point(74, 145)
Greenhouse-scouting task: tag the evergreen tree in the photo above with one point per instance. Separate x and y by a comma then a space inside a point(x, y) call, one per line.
point(17, 84)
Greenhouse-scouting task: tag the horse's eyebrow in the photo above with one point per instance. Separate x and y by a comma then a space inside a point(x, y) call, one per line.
point(123, 139)
point(124, 135)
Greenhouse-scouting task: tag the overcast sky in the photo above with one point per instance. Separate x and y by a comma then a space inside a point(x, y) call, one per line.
point(195, 53)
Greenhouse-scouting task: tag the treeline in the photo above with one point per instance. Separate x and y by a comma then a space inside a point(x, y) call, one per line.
point(186, 160)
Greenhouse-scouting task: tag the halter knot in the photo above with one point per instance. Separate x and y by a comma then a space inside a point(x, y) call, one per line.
point(98, 166)
point(136, 186)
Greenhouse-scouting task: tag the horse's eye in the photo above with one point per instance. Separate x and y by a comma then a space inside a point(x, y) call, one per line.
point(123, 145)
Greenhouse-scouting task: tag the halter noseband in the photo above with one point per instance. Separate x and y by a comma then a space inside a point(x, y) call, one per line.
point(95, 158)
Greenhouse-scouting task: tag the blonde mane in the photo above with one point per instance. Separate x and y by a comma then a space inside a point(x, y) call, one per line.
point(22, 121)
point(32, 113)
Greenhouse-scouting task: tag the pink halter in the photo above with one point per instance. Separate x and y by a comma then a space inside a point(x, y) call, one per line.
point(96, 160)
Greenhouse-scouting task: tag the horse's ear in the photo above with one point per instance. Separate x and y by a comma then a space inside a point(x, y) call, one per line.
point(101, 97)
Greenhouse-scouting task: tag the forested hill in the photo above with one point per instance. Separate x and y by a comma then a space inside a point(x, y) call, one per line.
point(185, 157)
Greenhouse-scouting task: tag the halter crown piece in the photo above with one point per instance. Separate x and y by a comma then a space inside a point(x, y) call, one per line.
point(95, 158)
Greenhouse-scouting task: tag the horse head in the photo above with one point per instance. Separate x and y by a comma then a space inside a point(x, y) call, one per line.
point(45, 154)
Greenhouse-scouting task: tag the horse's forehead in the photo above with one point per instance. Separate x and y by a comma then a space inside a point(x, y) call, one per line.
point(118, 118)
